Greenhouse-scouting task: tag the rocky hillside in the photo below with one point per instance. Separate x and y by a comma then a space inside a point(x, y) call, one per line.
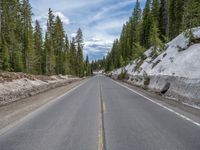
point(173, 71)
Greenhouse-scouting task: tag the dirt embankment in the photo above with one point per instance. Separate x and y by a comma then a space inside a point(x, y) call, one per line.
point(15, 86)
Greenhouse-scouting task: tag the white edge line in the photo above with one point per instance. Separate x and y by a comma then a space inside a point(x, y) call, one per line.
point(31, 114)
point(159, 104)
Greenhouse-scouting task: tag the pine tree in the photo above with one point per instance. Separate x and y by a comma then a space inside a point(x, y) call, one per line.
point(66, 56)
point(87, 67)
point(137, 22)
point(146, 25)
point(72, 57)
point(154, 37)
point(176, 11)
point(27, 40)
point(155, 10)
point(125, 43)
point(59, 45)
point(49, 44)
point(164, 19)
point(154, 29)
point(45, 55)
point(191, 17)
point(180, 4)
point(22, 47)
point(11, 31)
point(79, 44)
point(5, 57)
point(17, 63)
point(172, 19)
point(121, 61)
point(38, 47)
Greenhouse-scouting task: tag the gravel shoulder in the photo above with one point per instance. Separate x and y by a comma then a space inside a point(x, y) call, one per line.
point(17, 110)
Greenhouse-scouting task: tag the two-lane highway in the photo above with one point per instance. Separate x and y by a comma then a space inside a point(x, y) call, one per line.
point(74, 122)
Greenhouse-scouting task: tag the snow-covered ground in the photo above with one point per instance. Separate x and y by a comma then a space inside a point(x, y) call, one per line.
point(23, 87)
point(176, 69)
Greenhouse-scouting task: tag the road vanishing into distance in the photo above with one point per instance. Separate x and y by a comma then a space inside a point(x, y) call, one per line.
point(102, 115)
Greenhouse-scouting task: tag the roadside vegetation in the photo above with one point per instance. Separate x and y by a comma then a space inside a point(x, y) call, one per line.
point(158, 23)
point(24, 48)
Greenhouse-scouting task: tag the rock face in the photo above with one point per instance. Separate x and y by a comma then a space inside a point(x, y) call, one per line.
point(173, 71)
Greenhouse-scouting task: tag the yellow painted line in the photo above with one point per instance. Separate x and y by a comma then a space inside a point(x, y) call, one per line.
point(100, 134)
point(104, 107)
point(101, 140)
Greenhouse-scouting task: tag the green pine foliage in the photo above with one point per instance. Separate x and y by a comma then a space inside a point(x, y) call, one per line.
point(176, 15)
point(27, 37)
point(163, 20)
point(38, 48)
point(146, 25)
point(191, 17)
point(154, 36)
point(5, 57)
point(59, 46)
point(79, 54)
point(23, 48)
point(160, 21)
point(72, 57)
point(65, 56)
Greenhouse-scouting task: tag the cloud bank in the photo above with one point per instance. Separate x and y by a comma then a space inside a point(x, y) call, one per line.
point(100, 20)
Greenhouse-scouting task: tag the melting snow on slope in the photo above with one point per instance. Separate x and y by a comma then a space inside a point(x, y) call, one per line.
point(170, 62)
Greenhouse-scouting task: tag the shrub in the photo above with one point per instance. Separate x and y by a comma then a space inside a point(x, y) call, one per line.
point(123, 75)
point(146, 81)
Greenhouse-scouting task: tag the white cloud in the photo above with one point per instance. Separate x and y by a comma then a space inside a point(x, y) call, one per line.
point(73, 35)
point(97, 47)
point(42, 18)
point(100, 20)
point(62, 5)
point(64, 19)
point(110, 25)
point(96, 41)
point(105, 11)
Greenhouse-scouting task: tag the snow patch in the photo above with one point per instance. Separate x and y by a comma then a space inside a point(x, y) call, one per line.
point(178, 64)
point(24, 87)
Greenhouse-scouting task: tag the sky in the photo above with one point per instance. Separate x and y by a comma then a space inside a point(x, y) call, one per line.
point(100, 20)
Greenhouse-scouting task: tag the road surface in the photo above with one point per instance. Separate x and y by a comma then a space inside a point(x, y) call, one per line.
point(102, 115)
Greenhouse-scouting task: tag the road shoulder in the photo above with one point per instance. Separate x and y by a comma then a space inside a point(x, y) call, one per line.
point(176, 106)
point(15, 111)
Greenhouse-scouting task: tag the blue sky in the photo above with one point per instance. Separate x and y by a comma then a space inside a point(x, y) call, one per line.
point(100, 20)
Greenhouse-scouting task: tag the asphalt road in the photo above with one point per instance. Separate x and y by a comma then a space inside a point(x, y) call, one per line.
point(102, 111)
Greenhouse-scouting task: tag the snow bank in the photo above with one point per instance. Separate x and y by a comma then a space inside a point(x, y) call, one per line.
point(175, 71)
point(21, 88)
